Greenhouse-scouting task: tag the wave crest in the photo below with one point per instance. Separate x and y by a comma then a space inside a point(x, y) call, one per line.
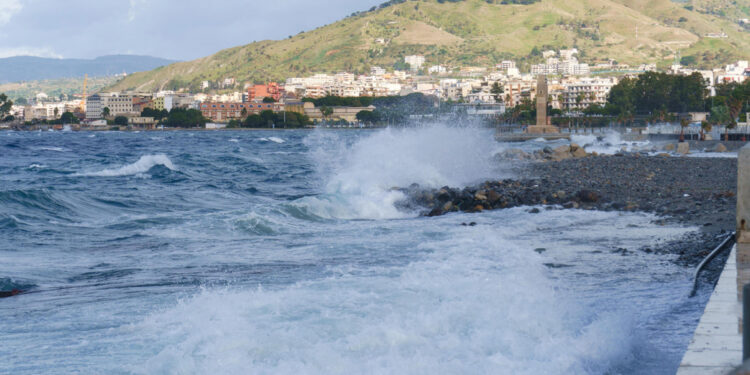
point(143, 165)
point(360, 178)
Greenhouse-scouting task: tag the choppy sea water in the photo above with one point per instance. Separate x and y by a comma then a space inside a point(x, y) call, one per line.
point(284, 253)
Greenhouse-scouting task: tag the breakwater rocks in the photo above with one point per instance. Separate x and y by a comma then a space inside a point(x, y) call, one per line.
point(573, 151)
point(696, 191)
point(690, 191)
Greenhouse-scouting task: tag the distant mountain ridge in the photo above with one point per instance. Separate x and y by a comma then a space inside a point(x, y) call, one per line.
point(30, 68)
point(465, 33)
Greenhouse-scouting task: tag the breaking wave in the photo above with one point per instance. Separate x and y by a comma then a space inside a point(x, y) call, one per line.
point(360, 178)
point(143, 165)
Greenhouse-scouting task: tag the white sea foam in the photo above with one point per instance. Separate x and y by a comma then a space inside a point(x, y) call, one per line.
point(478, 302)
point(609, 143)
point(234, 140)
point(51, 148)
point(359, 178)
point(143, 165)
point(276, 140)
point(36, 166)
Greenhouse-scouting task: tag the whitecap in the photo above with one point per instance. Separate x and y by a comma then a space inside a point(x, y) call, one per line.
point(276, 140)
point(144, 164)
point(235, 140)
point(49, 148)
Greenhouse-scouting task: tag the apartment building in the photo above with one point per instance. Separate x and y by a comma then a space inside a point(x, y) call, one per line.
point(222, 112)
point(94, 107)
point(582, 93)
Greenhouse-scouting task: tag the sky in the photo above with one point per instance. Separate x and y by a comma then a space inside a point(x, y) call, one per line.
point(173, 29)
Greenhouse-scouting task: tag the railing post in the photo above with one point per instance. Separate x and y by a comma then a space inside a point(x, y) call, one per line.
point(745, 327)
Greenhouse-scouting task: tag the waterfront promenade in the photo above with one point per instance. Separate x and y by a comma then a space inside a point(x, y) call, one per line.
point(716, 347)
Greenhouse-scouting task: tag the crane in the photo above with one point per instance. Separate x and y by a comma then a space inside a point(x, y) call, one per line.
point(83, 98)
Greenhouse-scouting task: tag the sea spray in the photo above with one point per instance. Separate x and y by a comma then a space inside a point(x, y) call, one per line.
point(360, 177)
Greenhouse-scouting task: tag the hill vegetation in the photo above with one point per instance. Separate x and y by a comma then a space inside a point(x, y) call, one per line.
point(471, 33)
point(65, 88)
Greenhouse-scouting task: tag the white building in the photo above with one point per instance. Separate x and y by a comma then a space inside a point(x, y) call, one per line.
point(437, 69)
point(118, 104)
point(415, 61)
point(567, 65)
point(94, 107)
point(377, 71)
point(582, 93)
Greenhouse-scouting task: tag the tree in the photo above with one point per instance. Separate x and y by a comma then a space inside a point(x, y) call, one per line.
point(243, 113)
point(497, 90)
point(369, 117)
point(705, 128)
point(5, 105)
point(185, 118)
point(121, 120)
point(720, 116)
point(68, 118)
point(326, 111)
point(683, 124)
point(105, 112)
point(268, 117)
point(57, 111)
point(269, 99)
point(254, 121)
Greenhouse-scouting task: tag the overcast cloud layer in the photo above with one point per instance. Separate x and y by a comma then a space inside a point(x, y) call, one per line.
point(174, 29)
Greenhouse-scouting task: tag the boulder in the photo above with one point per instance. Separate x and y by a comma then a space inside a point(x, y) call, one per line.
point(664, 155)
point(683, 148)
point(587, 196)
point(448, 207)
point(559, 156)
point(579, 153)
point(493, 196)
point(515, 153)
point(562, 149)
point(669, 147)
point(720, 148)
point(480, 195)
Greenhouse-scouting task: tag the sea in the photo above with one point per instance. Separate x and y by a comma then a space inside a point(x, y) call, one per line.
point(289, 252)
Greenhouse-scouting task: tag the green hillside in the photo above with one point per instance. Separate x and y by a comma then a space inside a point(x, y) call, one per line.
point(470, 33)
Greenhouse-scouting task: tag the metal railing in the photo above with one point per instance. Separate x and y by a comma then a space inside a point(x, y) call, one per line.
point(708, 259)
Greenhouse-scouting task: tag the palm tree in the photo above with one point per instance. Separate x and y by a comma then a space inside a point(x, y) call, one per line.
point(105, 112)
point(683, 124)
point(497, 91)
point(705, 128)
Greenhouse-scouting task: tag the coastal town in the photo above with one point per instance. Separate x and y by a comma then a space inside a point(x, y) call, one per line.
point(573, 87)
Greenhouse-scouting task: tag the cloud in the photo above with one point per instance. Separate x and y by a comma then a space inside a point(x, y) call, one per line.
point(133, 10)
point(29, 51)
point(9, 8)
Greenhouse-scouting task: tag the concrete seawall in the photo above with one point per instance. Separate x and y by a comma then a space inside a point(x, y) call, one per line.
point(716, 347)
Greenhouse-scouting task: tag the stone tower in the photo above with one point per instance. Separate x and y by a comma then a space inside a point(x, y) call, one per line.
point(541, 100)
point(542, 121)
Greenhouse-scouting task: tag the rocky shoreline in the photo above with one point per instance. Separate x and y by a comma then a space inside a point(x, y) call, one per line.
point(690, 191)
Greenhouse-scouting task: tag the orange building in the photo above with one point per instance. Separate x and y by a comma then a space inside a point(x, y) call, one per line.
point(222, 112)
point(269, 90)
